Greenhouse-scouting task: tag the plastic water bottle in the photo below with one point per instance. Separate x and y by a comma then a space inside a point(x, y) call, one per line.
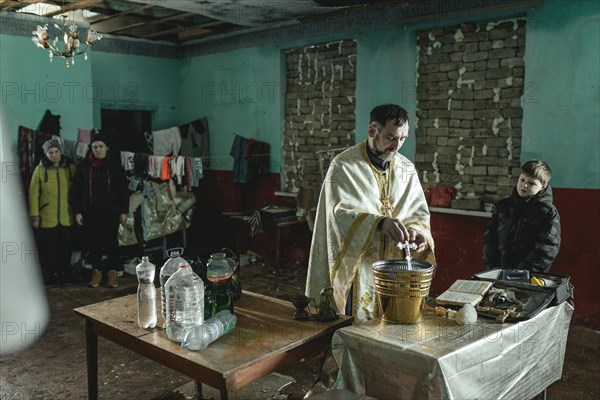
point(185, 302)
point(146, 294)
point(169, 268)
point(213, 328)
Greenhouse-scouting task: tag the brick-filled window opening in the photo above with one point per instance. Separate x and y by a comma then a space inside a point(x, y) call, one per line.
point(470, 84)
point(319, 111)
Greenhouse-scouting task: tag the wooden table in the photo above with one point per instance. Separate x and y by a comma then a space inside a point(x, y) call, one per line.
point(265, 339)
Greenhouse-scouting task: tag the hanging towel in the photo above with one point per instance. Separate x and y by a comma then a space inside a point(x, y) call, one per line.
point(84, 136)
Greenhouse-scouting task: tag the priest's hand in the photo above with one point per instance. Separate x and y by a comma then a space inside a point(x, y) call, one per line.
point(418, 239)
point(395, 229)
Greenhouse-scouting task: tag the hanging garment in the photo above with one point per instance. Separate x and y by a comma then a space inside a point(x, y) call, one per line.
point(177, 165)
point(240, 162)
point(155, 166)
point(141, 164)
point(81, 150)
point(127, 160)
point(166, 142)
point(196, 167)
point(195, 139)
point(258, 160)
point(50, 124)
point(84, 136)
point(188, 175)
point(165, 174)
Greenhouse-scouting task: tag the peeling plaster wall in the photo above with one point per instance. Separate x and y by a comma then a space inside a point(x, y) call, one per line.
point(469, 108)
point(319, 110)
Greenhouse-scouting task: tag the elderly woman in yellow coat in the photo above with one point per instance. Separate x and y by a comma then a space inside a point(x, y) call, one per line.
point(50, 212)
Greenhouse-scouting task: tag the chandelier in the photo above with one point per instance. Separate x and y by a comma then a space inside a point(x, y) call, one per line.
point(71, 44)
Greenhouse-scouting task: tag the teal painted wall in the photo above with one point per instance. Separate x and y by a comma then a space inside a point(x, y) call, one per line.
point(240, 92)
point(30, 85)
point(561, 118)
point(137, 82)
point(385, 70)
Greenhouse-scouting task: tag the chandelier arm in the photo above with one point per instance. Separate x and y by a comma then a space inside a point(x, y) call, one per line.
point(72, 46)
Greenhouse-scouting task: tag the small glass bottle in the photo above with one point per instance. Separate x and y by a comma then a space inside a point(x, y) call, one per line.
point(146, 293)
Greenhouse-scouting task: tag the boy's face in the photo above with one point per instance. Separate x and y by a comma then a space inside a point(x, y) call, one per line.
point(528, 186)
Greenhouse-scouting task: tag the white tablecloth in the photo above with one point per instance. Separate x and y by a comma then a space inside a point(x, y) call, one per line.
point(439, 359)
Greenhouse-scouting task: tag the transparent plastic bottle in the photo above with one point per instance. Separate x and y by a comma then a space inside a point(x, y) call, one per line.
point(185, 302)
point(146, 293)
point(199, 337)
point(169, 268)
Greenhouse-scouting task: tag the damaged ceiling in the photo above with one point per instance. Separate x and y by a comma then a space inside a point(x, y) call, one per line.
point(179, 21)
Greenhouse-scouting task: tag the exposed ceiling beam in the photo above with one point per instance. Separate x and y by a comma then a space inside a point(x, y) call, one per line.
point(156, 35)
point(21, 1)
point(122, 14)
point(175, 31)
point(7, 5)
point(192, 33)
point(151, 22)
point(78, 5)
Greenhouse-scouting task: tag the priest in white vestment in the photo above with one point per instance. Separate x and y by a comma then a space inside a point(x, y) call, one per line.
point(370, 201)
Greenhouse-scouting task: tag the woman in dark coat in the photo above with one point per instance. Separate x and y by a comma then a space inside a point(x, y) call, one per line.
point(100, 200)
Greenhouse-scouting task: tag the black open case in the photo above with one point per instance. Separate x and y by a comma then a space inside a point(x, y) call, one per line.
point(511, 301)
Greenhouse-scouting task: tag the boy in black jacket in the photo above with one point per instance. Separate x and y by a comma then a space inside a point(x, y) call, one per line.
point(524, 232)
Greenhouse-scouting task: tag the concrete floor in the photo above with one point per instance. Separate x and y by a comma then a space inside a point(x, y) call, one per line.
point(54, 367)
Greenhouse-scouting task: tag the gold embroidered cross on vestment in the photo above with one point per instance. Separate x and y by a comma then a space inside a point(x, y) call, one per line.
point(386, 206)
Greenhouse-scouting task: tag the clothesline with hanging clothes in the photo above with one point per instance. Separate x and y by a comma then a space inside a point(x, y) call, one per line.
point(184, 171)
point(190, 139)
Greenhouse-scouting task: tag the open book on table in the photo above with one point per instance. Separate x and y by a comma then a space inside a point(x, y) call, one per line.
point(464, 291)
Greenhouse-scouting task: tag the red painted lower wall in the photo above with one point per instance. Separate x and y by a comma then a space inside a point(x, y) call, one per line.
point(458, 238)
point(579, 255)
